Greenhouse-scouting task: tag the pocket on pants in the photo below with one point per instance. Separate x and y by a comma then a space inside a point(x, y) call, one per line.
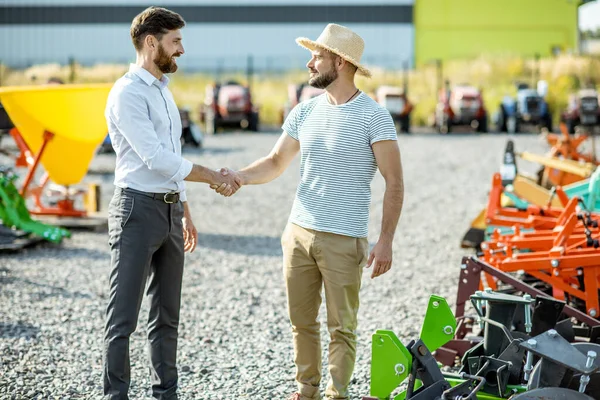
point(362, 251)
point(125, 209)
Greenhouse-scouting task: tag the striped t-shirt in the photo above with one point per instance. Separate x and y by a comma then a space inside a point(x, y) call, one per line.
point(337, 162)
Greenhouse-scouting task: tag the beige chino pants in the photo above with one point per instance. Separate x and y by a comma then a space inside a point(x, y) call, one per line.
point(313, 260)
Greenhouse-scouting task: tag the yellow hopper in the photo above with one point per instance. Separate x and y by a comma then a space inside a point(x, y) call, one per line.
point(59, 126)
point(72, 114)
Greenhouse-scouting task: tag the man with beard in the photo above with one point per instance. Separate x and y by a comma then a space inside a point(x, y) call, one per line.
point(150, 226)
point(343, 136)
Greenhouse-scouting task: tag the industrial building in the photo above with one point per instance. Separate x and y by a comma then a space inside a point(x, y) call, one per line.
point(224, 33)
point(221, 32)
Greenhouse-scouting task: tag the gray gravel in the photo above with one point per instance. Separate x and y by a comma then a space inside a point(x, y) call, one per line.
point(235, 339)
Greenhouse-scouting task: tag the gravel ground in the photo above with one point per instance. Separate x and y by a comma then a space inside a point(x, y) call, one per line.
point(235, 339)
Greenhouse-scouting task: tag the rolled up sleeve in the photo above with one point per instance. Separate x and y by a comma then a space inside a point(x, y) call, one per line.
point(130, 115)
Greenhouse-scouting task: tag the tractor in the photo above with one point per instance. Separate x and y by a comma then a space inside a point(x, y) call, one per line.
point(461, 105)
point(394, 99)
point(228, 104)
point(297, 94)
point(582, 110)
point(528, 108)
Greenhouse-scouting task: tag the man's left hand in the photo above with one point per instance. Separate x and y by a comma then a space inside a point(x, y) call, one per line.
point(190, 235)
point(380, 258)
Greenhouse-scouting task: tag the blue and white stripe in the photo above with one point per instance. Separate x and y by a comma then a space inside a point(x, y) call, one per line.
point(337, 162)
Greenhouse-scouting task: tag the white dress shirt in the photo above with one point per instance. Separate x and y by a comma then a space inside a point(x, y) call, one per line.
point(145, 130)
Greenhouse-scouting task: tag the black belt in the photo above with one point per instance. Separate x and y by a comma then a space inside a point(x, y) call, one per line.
point(169, 198)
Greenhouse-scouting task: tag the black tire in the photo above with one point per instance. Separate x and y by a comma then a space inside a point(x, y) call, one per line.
point(483, 124)
point(253, 122)
point(571, 124)
point(502, 125)
point(548, 123)
point(404, 124)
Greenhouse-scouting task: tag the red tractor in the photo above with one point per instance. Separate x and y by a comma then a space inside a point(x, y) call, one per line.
point(461, 105)
point(395, 101)
point(228, 104)
point(582, 110)
point(298, 94)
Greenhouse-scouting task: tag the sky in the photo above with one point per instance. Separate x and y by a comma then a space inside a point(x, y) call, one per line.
point(589, 16)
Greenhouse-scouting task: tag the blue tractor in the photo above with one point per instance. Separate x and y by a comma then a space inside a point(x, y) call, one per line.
point(528, 108)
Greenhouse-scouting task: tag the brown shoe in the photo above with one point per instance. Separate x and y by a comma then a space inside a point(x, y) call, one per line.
point(298, 396)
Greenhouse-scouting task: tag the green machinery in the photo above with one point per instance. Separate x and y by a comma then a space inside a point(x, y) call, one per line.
point(14, 213)
point(529, 363)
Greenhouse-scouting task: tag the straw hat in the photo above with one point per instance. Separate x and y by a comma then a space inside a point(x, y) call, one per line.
point(339, 40)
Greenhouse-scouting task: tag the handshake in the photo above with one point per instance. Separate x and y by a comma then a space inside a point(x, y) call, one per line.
point(226, 181)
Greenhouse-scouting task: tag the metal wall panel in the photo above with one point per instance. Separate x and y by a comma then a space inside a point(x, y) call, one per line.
point(207, 45)
point(258, 14)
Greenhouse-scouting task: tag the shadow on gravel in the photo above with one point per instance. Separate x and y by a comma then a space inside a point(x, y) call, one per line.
point(49, 291)
point(18, 330)
point(52, 255)
point(249, 245)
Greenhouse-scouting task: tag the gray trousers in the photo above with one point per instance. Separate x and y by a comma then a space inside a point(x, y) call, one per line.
point(146, 243)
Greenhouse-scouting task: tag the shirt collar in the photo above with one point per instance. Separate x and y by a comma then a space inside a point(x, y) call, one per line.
point(147, 77)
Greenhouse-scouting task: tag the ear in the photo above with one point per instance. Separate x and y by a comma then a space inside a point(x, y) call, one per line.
point(150, 41)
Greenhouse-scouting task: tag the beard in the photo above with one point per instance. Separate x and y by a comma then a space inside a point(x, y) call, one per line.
point(165, 62)
point(321, 81)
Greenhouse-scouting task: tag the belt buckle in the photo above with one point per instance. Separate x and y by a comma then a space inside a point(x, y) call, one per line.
point(171, 197)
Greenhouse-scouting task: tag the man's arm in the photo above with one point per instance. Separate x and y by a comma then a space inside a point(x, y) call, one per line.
point(272, 166)
point(207, 175)
point(267, 168)
point(387, 155)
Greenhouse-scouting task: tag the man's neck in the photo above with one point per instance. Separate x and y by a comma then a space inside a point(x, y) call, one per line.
point(341, 91)
point(149, 66)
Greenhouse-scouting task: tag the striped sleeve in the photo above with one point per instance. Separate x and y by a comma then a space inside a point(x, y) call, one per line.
point(382, 126)
point(291, 124)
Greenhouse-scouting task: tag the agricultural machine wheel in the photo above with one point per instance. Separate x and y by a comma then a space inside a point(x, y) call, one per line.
point(482, 125)
point(253, 122)
point(571, 124)
point(547, 122)
point(552, 393)
point(405, 124)
point(592, 388)
point(501, 125)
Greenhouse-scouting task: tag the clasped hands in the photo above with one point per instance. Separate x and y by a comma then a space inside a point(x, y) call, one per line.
point(226, 182)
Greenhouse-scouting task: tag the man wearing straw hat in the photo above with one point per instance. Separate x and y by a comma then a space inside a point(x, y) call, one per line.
point(343, 136)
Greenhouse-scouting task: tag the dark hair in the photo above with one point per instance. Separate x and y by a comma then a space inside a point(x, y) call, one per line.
point(155, 21)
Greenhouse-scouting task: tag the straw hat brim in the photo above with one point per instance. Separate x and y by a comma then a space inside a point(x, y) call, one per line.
point(312, 45)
